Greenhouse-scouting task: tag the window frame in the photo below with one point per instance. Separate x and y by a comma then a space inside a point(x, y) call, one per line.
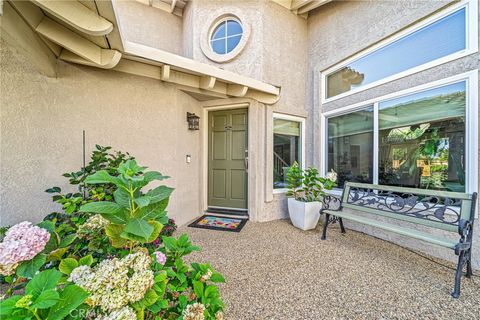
point(300, 120)
point(471, 125)
point(216, 25)
point(471, 34)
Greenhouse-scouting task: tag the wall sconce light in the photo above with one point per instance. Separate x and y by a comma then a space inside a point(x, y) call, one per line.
point(193, 121)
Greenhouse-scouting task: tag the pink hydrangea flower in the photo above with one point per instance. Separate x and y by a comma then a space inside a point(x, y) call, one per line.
point(22, 242)
point(160, 257)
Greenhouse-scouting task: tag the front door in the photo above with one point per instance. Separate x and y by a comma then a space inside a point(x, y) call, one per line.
point(227, 158)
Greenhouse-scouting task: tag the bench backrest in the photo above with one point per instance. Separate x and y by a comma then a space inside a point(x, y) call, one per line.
point(436, 209)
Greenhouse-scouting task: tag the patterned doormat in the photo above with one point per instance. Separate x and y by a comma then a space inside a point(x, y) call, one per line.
point(218, 223)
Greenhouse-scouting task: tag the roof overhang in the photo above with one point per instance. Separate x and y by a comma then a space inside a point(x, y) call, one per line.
point(88, 33)
point(301, 7)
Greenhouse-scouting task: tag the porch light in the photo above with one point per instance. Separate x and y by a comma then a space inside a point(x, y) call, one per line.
point(193, 121)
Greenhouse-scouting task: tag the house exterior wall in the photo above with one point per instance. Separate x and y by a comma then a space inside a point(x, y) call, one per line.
point(150, 26)
point(42, 119)
point(331, 40)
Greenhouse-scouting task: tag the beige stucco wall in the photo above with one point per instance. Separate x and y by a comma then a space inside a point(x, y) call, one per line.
point(42, 119)
point(150, 26)
point(331, 40)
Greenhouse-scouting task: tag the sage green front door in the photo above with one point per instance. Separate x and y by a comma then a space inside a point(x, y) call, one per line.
point(227, 163)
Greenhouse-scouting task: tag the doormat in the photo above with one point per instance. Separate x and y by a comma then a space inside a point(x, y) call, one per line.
point(219, 223)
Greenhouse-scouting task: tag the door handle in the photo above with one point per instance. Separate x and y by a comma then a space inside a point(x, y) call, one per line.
point(246, 160)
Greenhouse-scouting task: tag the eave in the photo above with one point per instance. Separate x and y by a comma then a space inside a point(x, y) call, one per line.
point(87, 33)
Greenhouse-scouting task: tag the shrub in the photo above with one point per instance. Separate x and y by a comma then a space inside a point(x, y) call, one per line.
point(114, 246)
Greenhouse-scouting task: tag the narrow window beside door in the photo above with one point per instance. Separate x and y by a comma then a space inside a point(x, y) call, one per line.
point(287, 148)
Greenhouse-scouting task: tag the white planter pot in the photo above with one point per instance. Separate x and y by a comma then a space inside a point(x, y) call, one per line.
point(304, 215)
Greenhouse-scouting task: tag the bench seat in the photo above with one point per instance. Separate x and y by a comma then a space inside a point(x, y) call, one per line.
point(412, 233)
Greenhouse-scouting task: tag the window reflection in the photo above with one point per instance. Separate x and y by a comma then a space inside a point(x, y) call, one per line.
point(439, 39)
point(350, 146)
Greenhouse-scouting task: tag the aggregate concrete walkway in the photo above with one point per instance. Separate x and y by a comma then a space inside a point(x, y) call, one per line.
point(275, 271)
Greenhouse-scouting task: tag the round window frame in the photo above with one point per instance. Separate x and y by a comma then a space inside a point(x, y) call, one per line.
point(207, 34)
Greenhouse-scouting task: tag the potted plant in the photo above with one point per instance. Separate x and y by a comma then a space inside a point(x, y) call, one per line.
point(305, 191)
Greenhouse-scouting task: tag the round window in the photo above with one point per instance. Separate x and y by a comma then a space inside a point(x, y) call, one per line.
point(226, 36)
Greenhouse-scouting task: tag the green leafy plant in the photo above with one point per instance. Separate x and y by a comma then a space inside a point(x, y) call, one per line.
point(135, 216)
point(179, 285)
point(306, 185)
point(44, 298)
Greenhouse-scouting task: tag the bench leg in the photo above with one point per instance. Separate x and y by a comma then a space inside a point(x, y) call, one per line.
point(342, 228)
point(458, 275)
point(325, 225)
point(469, 264)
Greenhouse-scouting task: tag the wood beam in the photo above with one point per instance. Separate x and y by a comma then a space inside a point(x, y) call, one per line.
point(172, 5)
point(102, 58)
point(236, 90)
point(165, 76)
point(299, 3)
point(311, 6)
point(77, 16)
point(207, 82)
point(33, 15)
point(152, 55)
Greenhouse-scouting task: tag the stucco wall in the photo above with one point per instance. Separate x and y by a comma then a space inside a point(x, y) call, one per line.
point(150, 26)
point(42, 119)
point(339, 30)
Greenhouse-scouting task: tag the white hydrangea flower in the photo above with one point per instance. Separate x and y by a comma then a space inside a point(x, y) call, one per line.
point(194, 312)
point(332, 175)
point(114, 283)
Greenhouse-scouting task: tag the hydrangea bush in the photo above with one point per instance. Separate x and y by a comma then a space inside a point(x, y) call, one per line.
point(113, 244)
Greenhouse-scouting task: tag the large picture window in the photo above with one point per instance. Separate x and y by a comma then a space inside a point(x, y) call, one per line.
point(441, 38)
point(287, 147)
point(423, 139)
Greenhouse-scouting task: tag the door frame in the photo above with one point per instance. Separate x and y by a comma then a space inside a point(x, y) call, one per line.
point(205, 142)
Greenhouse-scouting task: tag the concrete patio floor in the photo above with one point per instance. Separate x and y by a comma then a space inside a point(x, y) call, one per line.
point(275, 271)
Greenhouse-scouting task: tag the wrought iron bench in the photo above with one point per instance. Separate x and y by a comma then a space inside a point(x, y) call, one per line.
point(447, 211)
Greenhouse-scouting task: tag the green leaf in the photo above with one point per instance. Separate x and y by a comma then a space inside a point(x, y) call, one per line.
point(56, 254)
point(198, 288)
point(109, 210)
point(154, 175)
point(53, 190)
point(46, 299)
point(27, 269)
point(43, 281)
point(122, 198)
point(86, 261)
point(114, 232)
point(139, 228)
point(47, 225)
point(159, 193)
point(217, 277)
point(149, 298)
point(101, 176)
point(157, 228)
point(8, 305)
point(211, 291)
point(67, 265)
point(101, 207)
point(153, 211)
point(71, 297)
point(143, 201)
point(67, 240)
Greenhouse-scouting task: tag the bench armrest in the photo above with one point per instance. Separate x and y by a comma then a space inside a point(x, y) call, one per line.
point(464, 228)
point(331, 202)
